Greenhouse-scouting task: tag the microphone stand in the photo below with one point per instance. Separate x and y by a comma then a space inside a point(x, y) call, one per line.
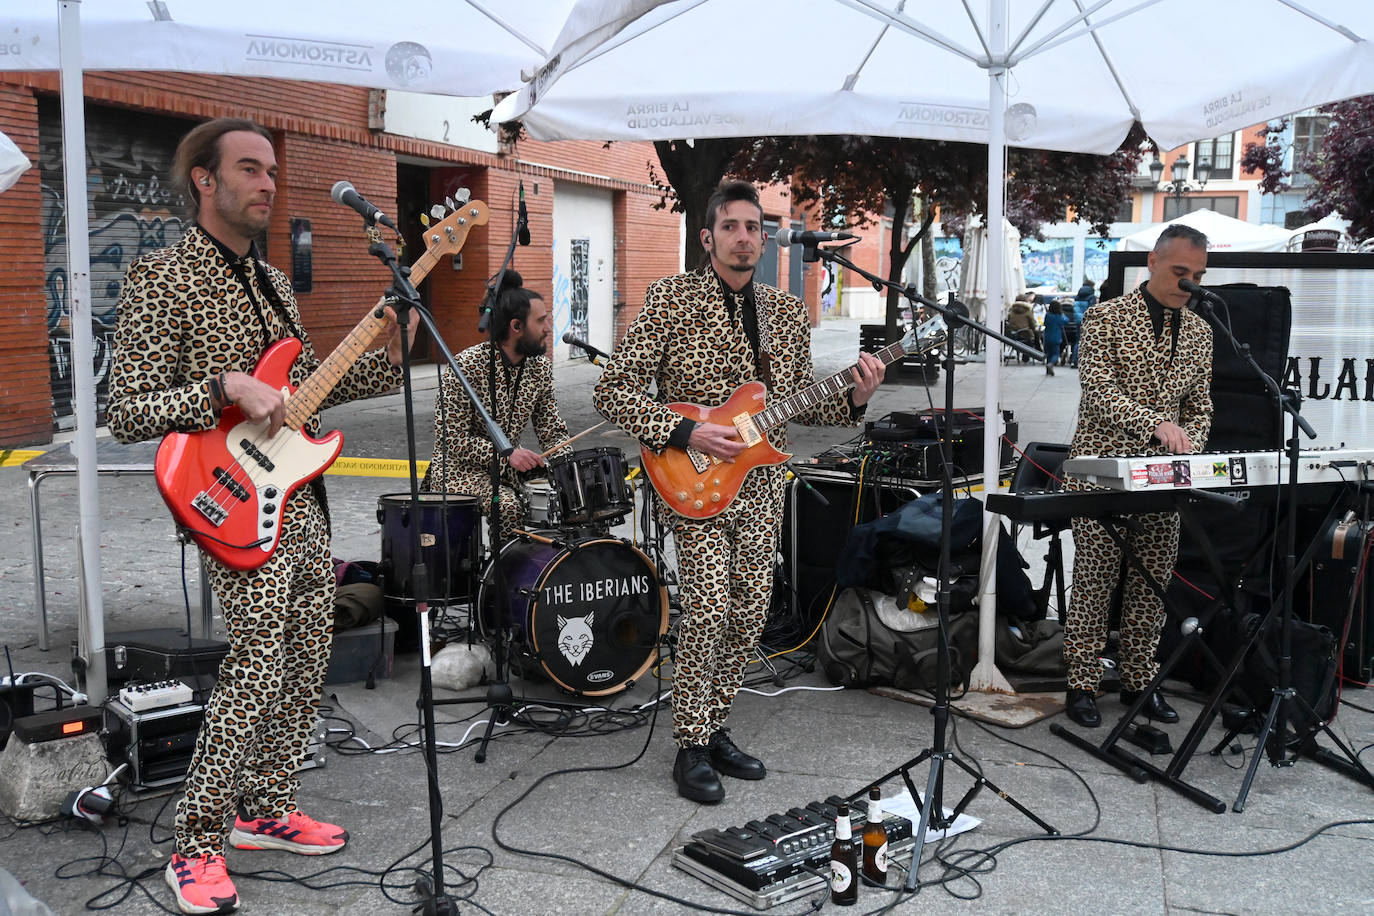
point(406, 301)
point(1273, 735)
point(932, 809)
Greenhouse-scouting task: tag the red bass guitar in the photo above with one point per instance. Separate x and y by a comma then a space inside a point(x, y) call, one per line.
point(228, 486)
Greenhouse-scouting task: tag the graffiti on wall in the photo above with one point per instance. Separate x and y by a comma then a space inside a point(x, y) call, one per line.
point(579, 277)
point(132, 210)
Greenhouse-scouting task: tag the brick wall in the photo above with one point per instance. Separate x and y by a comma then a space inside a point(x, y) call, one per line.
point(25, 396)
point(322, 136)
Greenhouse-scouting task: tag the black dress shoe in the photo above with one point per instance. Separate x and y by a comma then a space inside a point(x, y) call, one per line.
point(695, 777)
point(1154, 708)
point(1082, 708)
point(732, 761)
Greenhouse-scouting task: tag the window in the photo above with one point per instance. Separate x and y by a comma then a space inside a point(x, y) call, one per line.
point(1308, 134)
point(1125, 213)
point(1220, 152)
point(1226, 206)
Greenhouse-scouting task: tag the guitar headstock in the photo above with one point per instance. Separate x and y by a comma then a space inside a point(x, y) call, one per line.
point(927, 335)
point(451, 232)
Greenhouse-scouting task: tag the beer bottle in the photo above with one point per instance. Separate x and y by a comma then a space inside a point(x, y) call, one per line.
point(844, 864)
point(875, 842)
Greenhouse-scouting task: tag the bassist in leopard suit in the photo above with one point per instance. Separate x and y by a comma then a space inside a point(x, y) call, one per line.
point(1145, 364)
point(699, 337)
point(193, 320)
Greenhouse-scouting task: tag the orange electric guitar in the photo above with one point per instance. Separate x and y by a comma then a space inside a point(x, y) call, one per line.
point(228, 486)
point(696, 485)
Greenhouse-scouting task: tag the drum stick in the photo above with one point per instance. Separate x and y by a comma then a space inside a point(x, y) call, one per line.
point(533, 537)
point(571, 439)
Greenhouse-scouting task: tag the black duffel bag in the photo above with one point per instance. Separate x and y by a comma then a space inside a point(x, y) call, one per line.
point(857, 649)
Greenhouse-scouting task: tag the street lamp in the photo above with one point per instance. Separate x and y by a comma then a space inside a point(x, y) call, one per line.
point(1179, 187)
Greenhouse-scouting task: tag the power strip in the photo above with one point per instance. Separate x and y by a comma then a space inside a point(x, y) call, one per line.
point(158, 694)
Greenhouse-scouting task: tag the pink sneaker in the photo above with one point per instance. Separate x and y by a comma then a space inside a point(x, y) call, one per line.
point(293, 833)
point(201, 884)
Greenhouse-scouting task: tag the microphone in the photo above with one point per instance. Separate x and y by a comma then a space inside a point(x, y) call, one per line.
point(593, 354)
point(787, 237)
point(1204, 295)
point(344, 193)
point(522, 220)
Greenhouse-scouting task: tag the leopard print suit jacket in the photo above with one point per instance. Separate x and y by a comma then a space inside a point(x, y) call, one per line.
point(686, 340)
point(183, 318)
point(462, 450)
point(1131, 384)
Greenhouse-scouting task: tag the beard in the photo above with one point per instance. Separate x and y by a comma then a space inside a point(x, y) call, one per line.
point(530, 346)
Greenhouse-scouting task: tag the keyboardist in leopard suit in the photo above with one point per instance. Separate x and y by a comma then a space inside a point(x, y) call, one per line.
point(699, 337)
point(1145, 365)
point(193, 320)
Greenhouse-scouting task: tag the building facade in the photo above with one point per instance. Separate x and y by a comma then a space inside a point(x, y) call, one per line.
point(598, 237)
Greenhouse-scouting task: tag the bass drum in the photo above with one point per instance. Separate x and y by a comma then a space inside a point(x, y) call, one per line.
point(588, 614)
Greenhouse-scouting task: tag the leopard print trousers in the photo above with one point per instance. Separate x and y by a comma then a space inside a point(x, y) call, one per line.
point(258, 721)
point(725, 566)
point(1096, 571)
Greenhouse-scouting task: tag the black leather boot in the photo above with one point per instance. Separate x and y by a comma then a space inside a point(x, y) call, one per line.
point(1155, 708)
point(1082, 708)
point(730, 760)
point(695, 777)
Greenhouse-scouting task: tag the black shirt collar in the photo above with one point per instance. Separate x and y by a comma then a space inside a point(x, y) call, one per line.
point(231, 257)
point(1157, 313)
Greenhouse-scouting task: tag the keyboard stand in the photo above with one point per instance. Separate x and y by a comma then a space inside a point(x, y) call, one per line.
point(1132, 764)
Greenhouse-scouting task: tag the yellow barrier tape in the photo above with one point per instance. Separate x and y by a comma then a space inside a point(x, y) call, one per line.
point(9, 457)
point(375, 467)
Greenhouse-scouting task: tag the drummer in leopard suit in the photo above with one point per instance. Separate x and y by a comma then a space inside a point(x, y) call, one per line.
point(699, 337)
point(1145, 366)
point(513, 376)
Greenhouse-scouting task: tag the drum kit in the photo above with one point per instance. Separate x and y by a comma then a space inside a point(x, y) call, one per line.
point(583, 608)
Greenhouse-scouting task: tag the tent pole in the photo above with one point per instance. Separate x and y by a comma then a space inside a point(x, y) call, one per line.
point(985, 676)
point(83, 349)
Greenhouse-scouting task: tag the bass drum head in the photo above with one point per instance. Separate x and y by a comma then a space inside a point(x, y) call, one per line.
point(590, 615)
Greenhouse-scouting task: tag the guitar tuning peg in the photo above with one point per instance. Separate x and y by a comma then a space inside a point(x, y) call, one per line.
point(448, 201)
point(424, 220)
point(437, 211)
point(463, 196)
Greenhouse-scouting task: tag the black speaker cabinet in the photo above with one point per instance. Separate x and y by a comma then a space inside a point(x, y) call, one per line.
point(1244, 415)
point(814, 533)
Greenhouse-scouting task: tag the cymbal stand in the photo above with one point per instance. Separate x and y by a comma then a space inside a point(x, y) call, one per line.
point(931, 804)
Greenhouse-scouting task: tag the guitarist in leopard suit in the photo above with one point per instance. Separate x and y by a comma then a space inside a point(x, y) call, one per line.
point(193, 319)
point(699, 337)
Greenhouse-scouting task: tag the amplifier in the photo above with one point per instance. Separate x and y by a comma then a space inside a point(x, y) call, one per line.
point(783, 856)
point(156, 744)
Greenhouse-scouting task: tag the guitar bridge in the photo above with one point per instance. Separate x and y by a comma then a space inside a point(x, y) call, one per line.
point(214, 513)
point(700, 460)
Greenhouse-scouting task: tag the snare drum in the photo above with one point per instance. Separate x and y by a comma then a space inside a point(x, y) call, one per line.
point(543, 504)
point(591, 487)
point(588, 614)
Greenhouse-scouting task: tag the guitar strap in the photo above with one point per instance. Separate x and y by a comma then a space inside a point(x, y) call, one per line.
point(239, 265)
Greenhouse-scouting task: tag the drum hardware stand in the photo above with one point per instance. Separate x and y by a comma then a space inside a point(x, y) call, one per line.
point(404, 298)
point(931, 804)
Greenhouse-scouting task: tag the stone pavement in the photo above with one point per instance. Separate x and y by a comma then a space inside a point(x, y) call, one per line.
point(1142, 852)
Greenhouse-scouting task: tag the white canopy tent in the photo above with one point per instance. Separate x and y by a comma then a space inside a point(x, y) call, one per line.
point(1330, 233)
point(974, 272)
point(462, 48)
point(1224, 233)
point(1052, 74)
